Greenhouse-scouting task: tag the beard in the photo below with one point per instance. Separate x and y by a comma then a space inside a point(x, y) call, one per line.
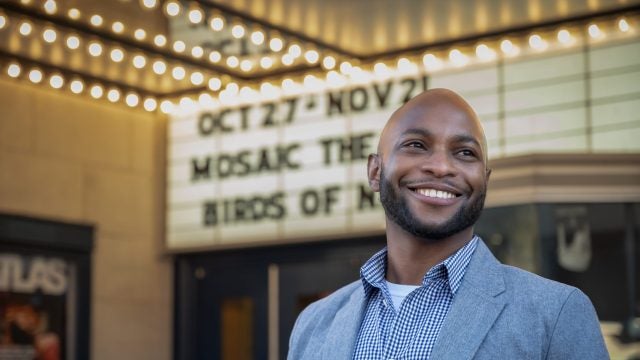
point(397, 209)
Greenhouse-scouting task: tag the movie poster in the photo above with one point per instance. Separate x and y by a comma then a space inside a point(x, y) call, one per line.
point(36, 295)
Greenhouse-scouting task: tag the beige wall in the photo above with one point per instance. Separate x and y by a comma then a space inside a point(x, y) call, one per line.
point(71, 158)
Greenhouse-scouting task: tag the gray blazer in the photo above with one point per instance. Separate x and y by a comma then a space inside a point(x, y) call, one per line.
point(499, 312)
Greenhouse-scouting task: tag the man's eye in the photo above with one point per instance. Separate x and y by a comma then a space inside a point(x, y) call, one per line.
point(414, 144)
point(467, 153)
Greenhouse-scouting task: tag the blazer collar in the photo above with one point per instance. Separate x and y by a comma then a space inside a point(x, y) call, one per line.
point(475, 308)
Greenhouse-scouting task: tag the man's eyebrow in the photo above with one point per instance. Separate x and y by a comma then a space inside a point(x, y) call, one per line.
point(417, 131)
point(466, 139)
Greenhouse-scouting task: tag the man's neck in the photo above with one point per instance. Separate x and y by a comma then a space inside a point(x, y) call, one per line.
point(409, 258)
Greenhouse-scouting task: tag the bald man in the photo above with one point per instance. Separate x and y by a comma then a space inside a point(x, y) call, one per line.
point(436, 291)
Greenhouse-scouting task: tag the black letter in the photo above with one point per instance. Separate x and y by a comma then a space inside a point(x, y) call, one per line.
point(200, 170)
point(335, 102)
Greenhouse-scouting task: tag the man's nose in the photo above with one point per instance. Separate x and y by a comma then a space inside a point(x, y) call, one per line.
point(439, 164)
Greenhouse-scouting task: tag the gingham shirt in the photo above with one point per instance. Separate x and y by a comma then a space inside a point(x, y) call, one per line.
point(411, 332)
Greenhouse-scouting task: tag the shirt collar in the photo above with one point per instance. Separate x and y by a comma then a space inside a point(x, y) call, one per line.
point(374, 270)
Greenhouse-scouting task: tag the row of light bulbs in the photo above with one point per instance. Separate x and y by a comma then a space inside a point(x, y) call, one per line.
point(292, 55)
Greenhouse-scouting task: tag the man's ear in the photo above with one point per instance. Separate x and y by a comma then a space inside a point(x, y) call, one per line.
point(373, 172)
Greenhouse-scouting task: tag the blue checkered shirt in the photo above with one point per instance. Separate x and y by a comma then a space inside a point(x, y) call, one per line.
point(412, 331)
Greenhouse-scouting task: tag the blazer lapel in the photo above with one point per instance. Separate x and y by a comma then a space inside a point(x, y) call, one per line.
point(475, 308)
point(343, 332)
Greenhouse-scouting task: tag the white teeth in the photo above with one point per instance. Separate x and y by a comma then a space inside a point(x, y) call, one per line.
point(436, 193)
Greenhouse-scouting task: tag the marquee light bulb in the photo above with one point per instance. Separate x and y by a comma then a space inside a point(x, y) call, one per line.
point(117, 55)
point(179, 46)
point(150, 104)
point(195, 16)
point(594, 31)
point(25, 28)
point(329, 62)
point(117, 27)
point(345, 67)
point(132, 99)
point(73, 42)
point(50, 7)
point(73, 14)
point(95, 49)
point(159, 67)
point(484, 53)
point(458, 58)
point(197, 78)
point(172, 8)
point(214, 84)
point(257, 37)
point(197, 52)
point(536, 42)
point(564, 36)
point(96, 20)
point(178, 73)
point(13, 70)
point(623, 25)
point(49, 35)
point(237, 31)
point(76, 86)
point(276, 44)
point(215, 56)
point(140, 34)
point(113, 95)
point(509, 48)
point(160, 40)
point(266, 62)
point(150, 4)
point(3, 21)
point(96, 91)
point(166, 106)
point(431, 62)
point(287, 59)
point(56, 81)
point(295, 50)
point(312, 56)
point(233, 61)
point(35, 76)
point(246, 65)
point(216, 23)
point(139, 61)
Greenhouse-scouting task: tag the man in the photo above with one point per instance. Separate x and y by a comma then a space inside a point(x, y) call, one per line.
point(436, 291)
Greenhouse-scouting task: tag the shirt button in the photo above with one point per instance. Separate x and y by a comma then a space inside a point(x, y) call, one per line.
point(384, 302)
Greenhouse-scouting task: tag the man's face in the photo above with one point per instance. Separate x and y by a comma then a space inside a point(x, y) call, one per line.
point(432, 170)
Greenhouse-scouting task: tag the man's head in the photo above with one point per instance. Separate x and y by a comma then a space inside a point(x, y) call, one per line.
point(431, 166)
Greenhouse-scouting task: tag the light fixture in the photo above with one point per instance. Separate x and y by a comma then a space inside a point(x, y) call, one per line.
point(132, 99)
point(246, 65)
point(160, 40)
point(96, 20)
point(564, 36)
point(311, 56)
point(287, 59)
point(345, 67)
point(179, 46)
point(35, 76)
point(233, 61)
point(73, 42)
point(56, 81)
point(295, 50)
point(13, 70)
point(113, 95)
point(95, 49)
point(195, 16)
point(406, 66)
point(150, 4)
point(140, 34)
point(3, 21)
point(266, 62)
point(159, 67)
point(73, 14)
point(178, 73)
point(139, 61)
point(276, 44)
point(215, 56)
point(76, 86)
point(431, 62)
point(329, 62)
point(117, 27)
point(49, 35)
point(509, 48)
point(150, 104)
point(536, 42)
point(216, 23)
point(623, 25)
point(484, 53)
point(172, 8)
point(117, 55)
point(214, 84)
point(594, 31)
point(166, 106)
point(197, 52)
point(257, 37)
point(237, 31)
point(197, 78)
point(96, 91)
point(25, 28)
point(50, 7)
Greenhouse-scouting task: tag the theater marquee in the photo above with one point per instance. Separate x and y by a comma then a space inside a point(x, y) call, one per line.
point(294, 168)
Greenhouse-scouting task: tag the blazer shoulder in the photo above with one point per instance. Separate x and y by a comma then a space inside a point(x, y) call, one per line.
point(530, 283)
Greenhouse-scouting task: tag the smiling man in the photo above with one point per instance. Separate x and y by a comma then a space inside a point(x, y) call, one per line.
point(436, 291)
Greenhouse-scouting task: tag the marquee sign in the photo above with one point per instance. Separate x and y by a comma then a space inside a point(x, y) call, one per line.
point(293, 169)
